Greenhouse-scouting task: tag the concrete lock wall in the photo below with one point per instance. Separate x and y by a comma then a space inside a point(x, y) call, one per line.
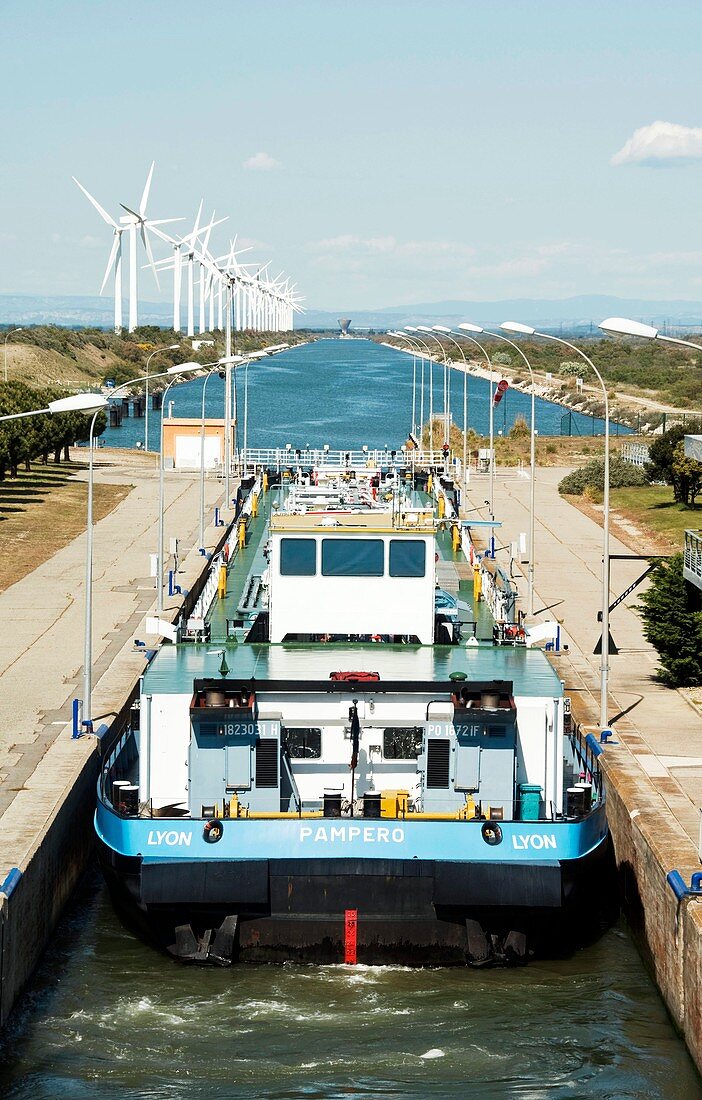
point(60, 855)
point(648, 843)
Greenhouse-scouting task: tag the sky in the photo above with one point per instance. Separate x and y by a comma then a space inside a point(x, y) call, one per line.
point(382, 153)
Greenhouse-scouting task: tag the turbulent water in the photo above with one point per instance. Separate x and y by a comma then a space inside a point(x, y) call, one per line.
point(345, 393)
point(110, 1018)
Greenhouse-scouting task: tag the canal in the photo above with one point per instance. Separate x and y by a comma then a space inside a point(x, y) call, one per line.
point(345, 393)
point(108, 1017)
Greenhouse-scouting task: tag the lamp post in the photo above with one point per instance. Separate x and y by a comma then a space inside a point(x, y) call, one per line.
point(422, 343)
point(88, 625)
point(12, 330)
point(157, 351)
point(432, 336)
point(87, 403)
point(532, 464)
point(526, 330)
point(182, 368)
point(465, 328)
point(216, 369)
point(417, 352)
point(449, 336)
point(401, 335)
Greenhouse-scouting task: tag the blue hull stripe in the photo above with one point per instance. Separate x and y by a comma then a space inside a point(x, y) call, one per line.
point(165, 839)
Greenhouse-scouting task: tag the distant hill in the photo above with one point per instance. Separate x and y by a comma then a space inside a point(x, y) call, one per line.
point(577, 315)
point(70, 311)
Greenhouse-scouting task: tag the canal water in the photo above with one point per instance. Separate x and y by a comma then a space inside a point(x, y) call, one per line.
point(108, 1017)
point(345, 393)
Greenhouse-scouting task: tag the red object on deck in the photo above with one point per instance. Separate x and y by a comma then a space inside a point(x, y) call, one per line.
point(355, 677)
point(350, 925)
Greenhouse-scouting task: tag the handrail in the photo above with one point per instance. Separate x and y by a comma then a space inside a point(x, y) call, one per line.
point(226, 555)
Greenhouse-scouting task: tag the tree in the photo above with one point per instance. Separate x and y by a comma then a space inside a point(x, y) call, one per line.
point(687, 474)
point(671, 610)
point(661, 465)
point(502, 359)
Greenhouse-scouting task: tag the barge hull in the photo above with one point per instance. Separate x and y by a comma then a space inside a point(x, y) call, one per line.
point(409, 911)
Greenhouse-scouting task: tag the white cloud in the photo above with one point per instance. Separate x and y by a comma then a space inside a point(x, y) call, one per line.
point(661, 143)
point(261, 162)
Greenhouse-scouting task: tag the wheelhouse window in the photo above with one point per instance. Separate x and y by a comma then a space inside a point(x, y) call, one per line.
point(298, 557)
point(304, 744)
point(346, 557)
point(402, 742)
point(408, 558)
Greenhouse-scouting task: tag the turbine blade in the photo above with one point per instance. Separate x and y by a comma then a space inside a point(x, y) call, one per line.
point(132, 212)
point(147, 187)
point(111, 260)
point(149, 253)
point(103, 213)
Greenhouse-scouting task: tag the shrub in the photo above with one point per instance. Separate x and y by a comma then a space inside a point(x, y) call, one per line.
point(572, 369)
point(621, 475)
point(520, 428)
point(593, 494)
point(502, 359)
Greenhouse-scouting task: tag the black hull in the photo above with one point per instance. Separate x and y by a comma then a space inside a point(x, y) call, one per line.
point(410, 912)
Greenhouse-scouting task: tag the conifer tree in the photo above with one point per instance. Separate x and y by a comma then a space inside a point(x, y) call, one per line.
point(671, 609)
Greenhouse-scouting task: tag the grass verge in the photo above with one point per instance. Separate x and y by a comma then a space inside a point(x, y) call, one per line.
point(646, 517)
point(41, 512)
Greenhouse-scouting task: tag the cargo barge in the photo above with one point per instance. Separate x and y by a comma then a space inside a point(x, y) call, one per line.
point(336, 759)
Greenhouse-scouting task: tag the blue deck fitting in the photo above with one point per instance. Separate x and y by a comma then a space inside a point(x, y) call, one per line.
point(11, 881)
point(594, 746)
point(681, 889)
point(77, 704)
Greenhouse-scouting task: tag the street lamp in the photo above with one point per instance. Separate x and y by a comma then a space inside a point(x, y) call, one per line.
point(403, 336)
point(6, 336)
point(418, 351)
point(262, 353)
point(216, 369)
point(430, 333)
point(88, 627)
point(622, 326)
point(526, 330)
point(465, 328)
point(422, 343)
point(157, 351)
point(447, 333)
point(181, 368)
point(532, 463)
point(77, 402)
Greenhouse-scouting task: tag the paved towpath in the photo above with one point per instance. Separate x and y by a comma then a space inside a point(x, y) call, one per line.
point(41, 640)
point(660, 727)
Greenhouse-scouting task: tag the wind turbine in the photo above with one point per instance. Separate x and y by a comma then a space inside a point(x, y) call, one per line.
point(137, 220)
point(115, 254)
point(190, 242)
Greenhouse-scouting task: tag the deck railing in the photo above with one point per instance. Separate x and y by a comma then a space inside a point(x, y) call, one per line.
point(282, 458)
point(692, 558)
point(196, 621)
